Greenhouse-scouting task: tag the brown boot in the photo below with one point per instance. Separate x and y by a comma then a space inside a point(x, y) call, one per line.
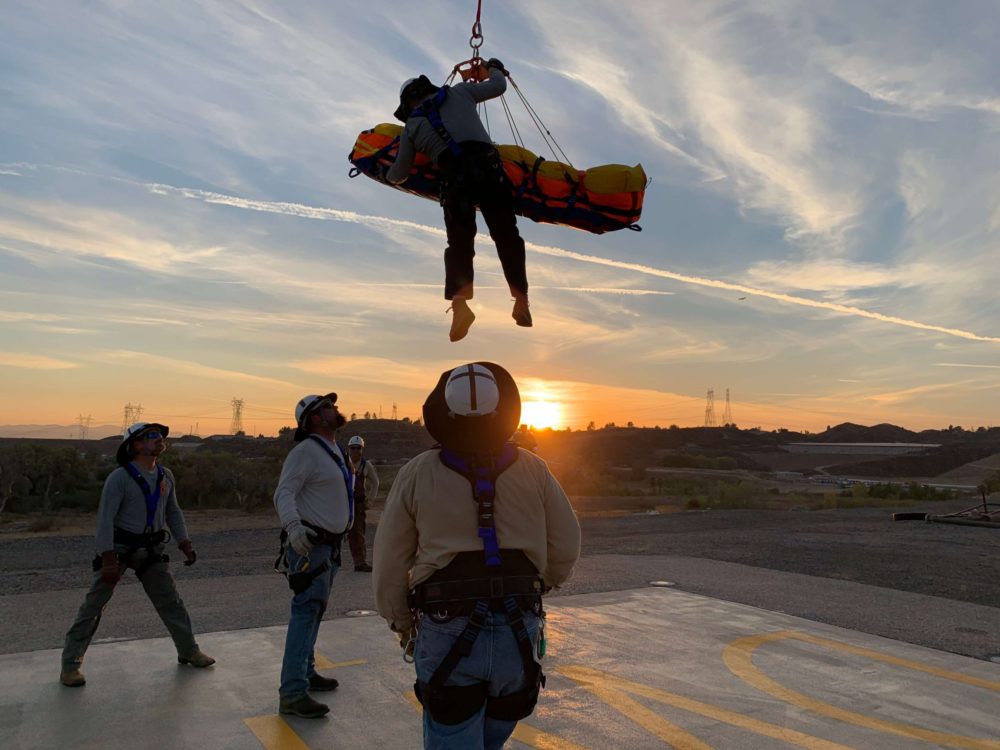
point(197, 659)
point(72, 678)
point(521, 314)
point(461, 318)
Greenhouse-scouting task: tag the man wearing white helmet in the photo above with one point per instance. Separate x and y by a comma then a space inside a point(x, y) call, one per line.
point(474, 531)
point(138, 503)
point(365, 483)
point(315, 505)
point(443, 124)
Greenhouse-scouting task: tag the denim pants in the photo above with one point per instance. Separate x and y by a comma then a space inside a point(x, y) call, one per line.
point(299, 663)
point(159, 587)
point(495, 660)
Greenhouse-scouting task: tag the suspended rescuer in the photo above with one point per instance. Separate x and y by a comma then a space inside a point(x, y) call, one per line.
point(315, 505)
point(474, 531)
point(443, 124)
point(364, 479)
point(138, 504)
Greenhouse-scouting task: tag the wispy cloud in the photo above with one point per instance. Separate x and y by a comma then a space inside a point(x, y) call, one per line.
point(966, 364)
point(34, 362)
point(179, 366)
point(332, 214)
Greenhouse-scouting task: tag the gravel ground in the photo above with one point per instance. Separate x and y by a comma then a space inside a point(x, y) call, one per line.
point(793, 561)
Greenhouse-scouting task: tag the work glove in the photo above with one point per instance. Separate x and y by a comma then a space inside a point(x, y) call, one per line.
point(407, 639)
point(111, 571)
point(188, 551)
point(495, 63)
point(299, 538)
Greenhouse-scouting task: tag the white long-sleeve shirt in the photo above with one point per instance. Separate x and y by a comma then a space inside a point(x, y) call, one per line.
point(312, 488)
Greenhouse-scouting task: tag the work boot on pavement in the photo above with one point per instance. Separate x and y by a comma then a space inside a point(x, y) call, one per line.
point(72, 678)
point(521, 314)
point(320, 683)
point(461, 319)
point(303, 706)
point(198, 659)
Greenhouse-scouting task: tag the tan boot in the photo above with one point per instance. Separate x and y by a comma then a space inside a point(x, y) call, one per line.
point(461, 318)
point(521, 314)
point(198, 659)
point(72, 678)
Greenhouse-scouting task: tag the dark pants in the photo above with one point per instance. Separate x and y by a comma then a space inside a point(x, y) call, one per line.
point(477, 179)
point(356, 534)
point(162, 592)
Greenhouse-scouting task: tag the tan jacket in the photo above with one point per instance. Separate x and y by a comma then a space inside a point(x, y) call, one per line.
point(430, 516)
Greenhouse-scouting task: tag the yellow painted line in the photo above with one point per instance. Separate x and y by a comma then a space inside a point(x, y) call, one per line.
point(738, 656)
point(274, 733)
point(889, 659)
point(587, 676)
point(323, 663)
point(522, 732)
point(656, 725)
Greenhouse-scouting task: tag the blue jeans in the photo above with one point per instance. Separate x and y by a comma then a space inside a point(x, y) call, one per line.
point(299, 663)
point(495, 660)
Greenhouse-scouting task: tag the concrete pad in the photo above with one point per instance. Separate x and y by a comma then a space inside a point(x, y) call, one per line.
point(643, 668)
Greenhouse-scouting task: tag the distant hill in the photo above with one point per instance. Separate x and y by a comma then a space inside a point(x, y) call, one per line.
point(57, 431)
point(848, 432)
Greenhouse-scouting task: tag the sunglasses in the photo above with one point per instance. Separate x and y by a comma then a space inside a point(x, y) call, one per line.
point(151, 436)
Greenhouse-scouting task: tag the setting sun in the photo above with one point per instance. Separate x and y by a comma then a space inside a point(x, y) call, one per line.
point(541, 414)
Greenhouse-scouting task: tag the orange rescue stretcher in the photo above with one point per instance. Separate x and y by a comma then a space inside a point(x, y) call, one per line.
point(601, 199)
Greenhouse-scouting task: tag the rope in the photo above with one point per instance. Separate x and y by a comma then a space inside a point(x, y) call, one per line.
point(542, 129)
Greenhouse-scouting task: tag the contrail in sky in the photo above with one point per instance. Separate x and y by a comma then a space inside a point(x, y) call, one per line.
point(352, 217)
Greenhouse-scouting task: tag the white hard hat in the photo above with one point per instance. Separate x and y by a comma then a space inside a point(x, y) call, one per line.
point(471, 391)
point(134, 431)
point(306, 404)
point(406, 83)
point(356, 440)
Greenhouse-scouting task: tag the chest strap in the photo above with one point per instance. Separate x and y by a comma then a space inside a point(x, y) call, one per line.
point(343, 470)
point(152, 496)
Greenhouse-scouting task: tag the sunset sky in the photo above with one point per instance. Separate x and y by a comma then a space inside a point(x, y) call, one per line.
point(821, 235)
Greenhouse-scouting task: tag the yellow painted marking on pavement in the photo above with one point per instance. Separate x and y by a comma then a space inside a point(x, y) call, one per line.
point(738, 656)
point(889, 659)
point(522, 732)
point(670, 733)
point(587, 676)
point(274, 733)
point(323, 663)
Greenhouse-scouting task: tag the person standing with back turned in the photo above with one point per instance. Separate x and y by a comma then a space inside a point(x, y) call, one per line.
point(474, 531)
point(443, 123)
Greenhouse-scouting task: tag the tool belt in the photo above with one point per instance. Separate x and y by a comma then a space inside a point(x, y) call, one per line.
point(300, 580)
point(147, 542)
point(454, 590)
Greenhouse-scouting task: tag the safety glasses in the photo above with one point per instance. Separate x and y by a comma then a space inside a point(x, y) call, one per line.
point(151, 436)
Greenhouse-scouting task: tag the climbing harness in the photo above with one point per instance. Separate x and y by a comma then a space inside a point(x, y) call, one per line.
point(472, 585)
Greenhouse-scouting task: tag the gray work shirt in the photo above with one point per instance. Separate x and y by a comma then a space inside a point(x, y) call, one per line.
point(458, 113)
point(312, 487)
point(123, 505)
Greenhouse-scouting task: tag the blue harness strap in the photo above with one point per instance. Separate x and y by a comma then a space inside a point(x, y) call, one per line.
point(431, 110)
point(483, 481)
point(345, 472)
point(152, 496)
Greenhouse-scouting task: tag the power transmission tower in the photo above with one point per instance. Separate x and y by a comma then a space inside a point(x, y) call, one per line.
point(133, 413)
point(236, 426)
point(710, 408)
point(727, 413)
point(393, 411)
point(84, 422)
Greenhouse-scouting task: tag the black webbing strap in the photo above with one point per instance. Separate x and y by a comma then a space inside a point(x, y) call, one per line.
point(462, 646)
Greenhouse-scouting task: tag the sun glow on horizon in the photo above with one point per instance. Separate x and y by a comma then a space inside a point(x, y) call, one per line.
point(541, 414)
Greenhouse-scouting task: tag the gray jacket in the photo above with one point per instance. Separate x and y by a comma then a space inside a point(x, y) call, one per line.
point(458, 113)
point(123, 505)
